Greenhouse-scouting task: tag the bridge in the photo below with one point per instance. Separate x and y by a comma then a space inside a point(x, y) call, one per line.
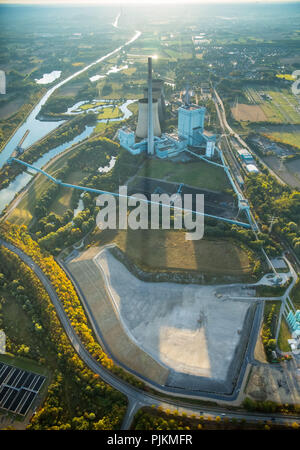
point(116, 194)
point(19, 150)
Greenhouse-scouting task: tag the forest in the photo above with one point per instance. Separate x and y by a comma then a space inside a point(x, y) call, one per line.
point(67, 294)
point(76, 398)
point(161, 418)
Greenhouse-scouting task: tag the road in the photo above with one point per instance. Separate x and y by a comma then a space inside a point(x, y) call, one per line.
point(226, 127)
point(137, 398)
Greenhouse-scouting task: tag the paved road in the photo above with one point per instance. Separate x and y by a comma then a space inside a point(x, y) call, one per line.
point(136, 398)
point(286, 296)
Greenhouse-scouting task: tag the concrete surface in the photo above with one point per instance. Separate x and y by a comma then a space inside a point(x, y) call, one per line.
point(186, 328)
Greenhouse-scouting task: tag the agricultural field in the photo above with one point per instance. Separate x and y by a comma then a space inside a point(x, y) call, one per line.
point(268, 105)
point(121, 89)
point(286, 138)
point(197, 174)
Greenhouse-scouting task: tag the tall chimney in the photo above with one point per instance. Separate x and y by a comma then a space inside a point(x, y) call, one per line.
point(150, 116)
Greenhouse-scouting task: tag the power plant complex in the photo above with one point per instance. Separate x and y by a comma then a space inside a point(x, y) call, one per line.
point(151, 117)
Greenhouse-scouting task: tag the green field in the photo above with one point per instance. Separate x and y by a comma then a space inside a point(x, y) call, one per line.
point(199, 174)
point(24, 211)
point(284, 335)
point(174, 253)
point(286, 138)
point(110, 113)
point(91, 105)
point(281, 106)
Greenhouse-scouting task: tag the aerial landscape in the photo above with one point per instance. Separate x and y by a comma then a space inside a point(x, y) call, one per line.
point(150, 217)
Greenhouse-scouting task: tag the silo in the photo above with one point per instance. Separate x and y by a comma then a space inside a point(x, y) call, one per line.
point(142, 125)
point(156, 95)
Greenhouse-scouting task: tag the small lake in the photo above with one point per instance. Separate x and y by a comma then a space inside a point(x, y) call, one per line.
point(49, 77)
point(38, 129)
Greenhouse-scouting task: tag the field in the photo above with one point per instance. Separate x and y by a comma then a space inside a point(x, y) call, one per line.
point(286, 138)
point(120, 91)
point(174, 253)
point(268, 105)
point(11, 107)
point(252, 113)
point(91, 105)
point(197, 174)
point(283, 337)
point(110, 113)
point(24, 211)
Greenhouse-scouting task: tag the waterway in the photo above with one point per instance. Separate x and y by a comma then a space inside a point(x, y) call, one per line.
point(7, 194)
point(38, 129)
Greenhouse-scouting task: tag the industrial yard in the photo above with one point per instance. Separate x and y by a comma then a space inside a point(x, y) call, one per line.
point(162, 320)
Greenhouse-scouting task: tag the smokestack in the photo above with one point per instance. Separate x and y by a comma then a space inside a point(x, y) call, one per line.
point(150, 116)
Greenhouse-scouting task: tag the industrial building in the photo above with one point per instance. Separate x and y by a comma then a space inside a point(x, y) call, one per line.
point(152, 114)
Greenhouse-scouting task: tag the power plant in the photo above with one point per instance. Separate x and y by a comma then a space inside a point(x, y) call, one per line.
point(142, 125)
point(151, 116)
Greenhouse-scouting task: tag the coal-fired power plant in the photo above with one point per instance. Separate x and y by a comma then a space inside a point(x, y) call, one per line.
point(151, 117)
point(148, 124)
point(144, 123)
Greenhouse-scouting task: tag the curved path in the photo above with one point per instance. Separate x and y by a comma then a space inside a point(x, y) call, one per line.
point(136, 398)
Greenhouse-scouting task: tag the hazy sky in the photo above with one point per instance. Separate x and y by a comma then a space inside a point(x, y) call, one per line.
point(123, 2)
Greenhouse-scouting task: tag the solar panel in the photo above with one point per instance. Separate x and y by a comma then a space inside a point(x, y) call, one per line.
point(18, 388)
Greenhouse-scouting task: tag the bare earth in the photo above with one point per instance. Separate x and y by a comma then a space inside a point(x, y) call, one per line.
point(277, 383)
point(253, 113)
point(160, 327)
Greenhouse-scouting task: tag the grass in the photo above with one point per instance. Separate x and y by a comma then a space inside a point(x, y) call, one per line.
point(23, 213)
point(100, 127)
point(284, 335)
point(118, 90)
point(110, 113)
point(23, 363)
point(282, 108)
point(174, 253)
point(198, 174)
point(63, 201)
point(286, 138)
point(91, 105)
point(295, 295)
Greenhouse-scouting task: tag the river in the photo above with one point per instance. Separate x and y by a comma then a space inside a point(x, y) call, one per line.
point(38, 129)
point(7, 194)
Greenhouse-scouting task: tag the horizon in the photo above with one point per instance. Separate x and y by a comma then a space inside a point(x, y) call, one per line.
point(139, 2)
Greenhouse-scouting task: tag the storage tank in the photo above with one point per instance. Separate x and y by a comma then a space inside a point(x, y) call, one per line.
point(142, 125)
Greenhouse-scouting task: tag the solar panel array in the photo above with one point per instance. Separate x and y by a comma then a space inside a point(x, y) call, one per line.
point(18, 388)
